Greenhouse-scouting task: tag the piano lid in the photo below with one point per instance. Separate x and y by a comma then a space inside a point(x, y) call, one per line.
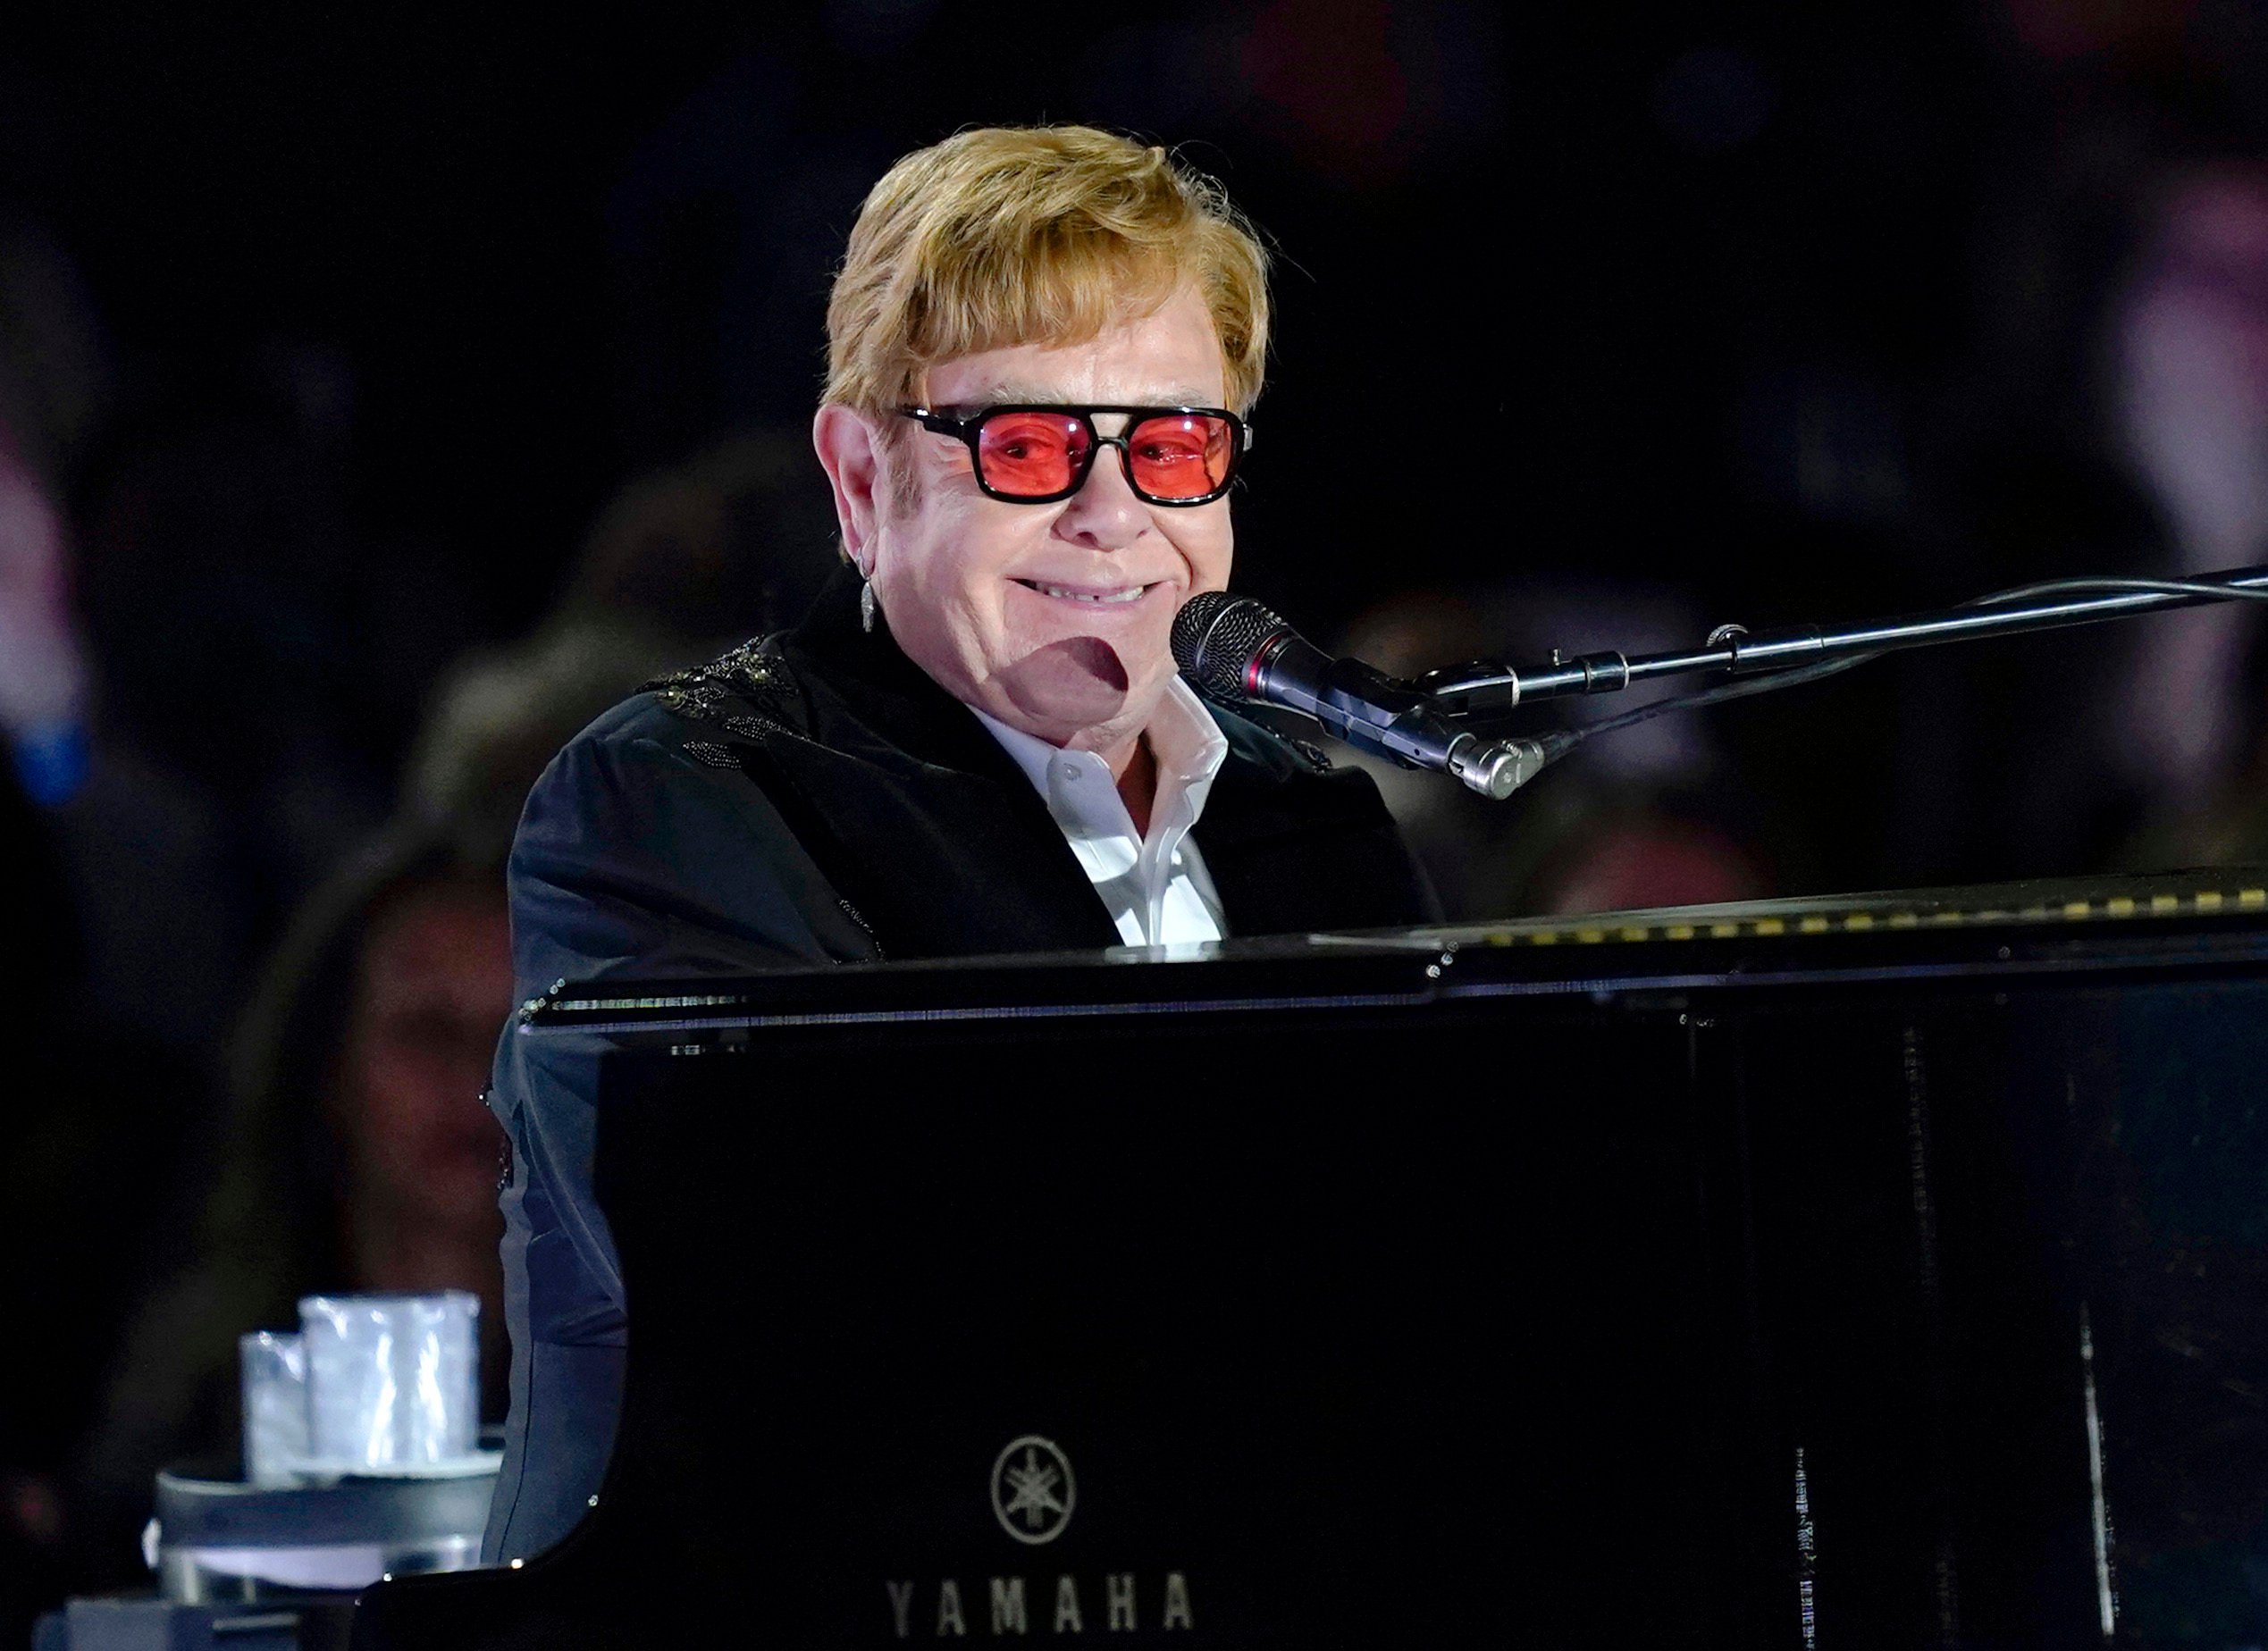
point(2152, 921)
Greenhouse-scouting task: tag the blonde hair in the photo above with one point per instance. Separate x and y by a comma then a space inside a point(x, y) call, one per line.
point(1048, 234)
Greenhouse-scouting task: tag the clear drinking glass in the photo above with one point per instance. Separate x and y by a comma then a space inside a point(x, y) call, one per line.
point(273, 1367)
point(393, 1381)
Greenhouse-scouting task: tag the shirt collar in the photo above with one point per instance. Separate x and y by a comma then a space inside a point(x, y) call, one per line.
point(1185, 742)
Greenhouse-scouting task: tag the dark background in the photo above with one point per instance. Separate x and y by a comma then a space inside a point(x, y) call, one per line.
point(345, 346)
point(1746, 312)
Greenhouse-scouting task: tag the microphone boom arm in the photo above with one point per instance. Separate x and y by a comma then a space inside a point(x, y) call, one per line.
point(1486, 685)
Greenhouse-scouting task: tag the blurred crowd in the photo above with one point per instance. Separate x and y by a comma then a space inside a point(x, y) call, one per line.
point(264, 979)
point(268, 723)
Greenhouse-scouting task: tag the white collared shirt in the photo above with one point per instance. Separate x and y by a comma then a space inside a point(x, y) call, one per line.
point(1155, 888)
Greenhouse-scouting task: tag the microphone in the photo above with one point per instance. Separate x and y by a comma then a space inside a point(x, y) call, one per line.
point(1238, 649)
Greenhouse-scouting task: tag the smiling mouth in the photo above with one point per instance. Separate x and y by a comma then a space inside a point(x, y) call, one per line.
point(1107, 599)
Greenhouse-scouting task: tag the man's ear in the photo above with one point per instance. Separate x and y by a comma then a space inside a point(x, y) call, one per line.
point(850, 450)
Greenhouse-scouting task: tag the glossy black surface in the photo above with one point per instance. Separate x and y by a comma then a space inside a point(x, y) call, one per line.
point(1682, 1279)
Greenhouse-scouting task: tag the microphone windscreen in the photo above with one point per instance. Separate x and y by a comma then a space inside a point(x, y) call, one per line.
point(1217, 636)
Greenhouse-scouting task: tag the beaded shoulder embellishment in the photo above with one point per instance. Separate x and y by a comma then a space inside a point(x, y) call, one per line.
point(715, 755)
point(751, 670)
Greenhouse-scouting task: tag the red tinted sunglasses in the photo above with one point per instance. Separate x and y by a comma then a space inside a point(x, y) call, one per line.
point(1038, 455)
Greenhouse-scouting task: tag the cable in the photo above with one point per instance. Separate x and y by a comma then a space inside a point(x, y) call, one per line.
point(2165, 587)
point(1560, 742)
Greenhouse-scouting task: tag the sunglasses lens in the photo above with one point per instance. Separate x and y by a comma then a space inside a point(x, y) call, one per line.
point(1181, 454)
point(1030, 454)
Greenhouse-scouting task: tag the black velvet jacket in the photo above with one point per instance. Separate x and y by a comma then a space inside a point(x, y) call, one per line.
point(931, 839)
point(813, 798)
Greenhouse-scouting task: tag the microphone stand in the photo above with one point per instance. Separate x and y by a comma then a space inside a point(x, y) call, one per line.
point(1762, 660)
point(1486, 685)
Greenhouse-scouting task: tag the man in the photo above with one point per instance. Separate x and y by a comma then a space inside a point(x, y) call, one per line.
point(1043, 344)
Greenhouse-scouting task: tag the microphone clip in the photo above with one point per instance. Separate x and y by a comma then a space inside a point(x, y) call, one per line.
point(1390, 717)
point(1237, 650)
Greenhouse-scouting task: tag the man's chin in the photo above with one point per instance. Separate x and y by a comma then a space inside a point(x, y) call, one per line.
point(1067, 686)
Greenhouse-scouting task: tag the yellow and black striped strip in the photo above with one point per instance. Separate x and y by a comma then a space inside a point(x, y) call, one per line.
point(1920, 913)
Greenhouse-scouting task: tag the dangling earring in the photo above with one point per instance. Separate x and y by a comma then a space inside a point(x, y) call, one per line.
point(867, 604)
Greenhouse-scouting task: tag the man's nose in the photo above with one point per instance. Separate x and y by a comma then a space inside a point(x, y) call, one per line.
point(1104, 514)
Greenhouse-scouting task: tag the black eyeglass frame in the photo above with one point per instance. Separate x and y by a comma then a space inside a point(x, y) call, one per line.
point(968, 430)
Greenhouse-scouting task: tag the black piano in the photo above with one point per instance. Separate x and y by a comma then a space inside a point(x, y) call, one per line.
point(1883, 1272)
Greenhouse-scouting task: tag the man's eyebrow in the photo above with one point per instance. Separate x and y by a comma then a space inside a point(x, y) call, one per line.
point(1017, 394)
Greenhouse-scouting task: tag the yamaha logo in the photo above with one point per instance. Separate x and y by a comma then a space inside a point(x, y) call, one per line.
point(1032, 1498)
point(1032, 1494)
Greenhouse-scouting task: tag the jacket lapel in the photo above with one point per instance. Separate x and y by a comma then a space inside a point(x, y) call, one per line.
point(1293, 850)
point(914, 813)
